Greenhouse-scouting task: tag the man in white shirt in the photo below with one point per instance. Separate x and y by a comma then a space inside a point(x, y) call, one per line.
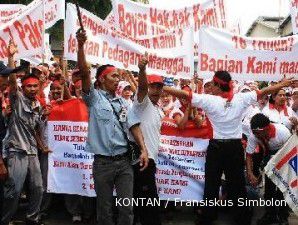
point(225, 152)
point(146, 108)
point(271, 137)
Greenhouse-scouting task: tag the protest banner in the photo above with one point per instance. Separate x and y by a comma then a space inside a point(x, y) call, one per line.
point(8, 10)
point(70, 167)
point(294, 15)
point(181, 161)
point(54, 10)
point(143, 21)
point(139, 20)
point(245, 58)
point(170, 54)
point(25, 30)
point(282, 169)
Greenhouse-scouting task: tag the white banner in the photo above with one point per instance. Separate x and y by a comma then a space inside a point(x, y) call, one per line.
point(26, 31)
point(54, 10)
point(294, 15)
point(170, 54)
point(70, 167)
point(7, 11)
point(181, 168)
point(260, 59)
point(282, 169)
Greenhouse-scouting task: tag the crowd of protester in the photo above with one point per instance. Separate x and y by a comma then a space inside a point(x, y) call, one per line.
point(124, 108)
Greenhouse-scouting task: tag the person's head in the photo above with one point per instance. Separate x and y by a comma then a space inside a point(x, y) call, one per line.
point(124, 90)
point(155, 84)
point(222, 82)
point(279, 98)
point(260, 126)
point(4, 73)
point(244, 89)
point(165, 99)
point(263, 101)
point(78, 88)
point(56, 90)
point(30, 86)
point(207, 85)
point(3, 83)
point(176, 82)
point(108, 78)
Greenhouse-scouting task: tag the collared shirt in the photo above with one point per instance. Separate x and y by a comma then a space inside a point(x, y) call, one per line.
point(225, 118)
point(105, 134)
point(25, 117)
point(281, 117)
point(151, 116)
point(280, 135)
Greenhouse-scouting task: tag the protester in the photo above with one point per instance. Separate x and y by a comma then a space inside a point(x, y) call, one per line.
point(146, 108)
point(272, 137)
point(278, 111)
point(225, 150)
point(107, 139)
point(4, 72)
point(22, 146)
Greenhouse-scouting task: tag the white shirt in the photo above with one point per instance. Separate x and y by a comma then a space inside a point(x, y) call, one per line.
point(279, 117)
point(250, 112)
point(150, 117)
point(282, 134)
point(226, 121)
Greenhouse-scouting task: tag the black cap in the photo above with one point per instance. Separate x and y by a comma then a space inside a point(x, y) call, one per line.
point(5, 71)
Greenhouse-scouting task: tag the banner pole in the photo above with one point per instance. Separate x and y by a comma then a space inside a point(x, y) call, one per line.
point(43, 31)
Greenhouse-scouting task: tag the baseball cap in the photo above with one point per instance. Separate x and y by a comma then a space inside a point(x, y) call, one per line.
point(5, 71)
point(154, 79)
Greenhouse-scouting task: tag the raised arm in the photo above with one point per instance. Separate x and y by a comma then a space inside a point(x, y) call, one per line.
point(82, 64)
point(274, 88)
point(143, 83)
point(177, 93)
point(12, 49)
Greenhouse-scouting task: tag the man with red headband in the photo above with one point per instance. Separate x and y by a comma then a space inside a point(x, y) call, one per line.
point(107, 139)
point(22, 146)
point(271, 137)
point(225, 151)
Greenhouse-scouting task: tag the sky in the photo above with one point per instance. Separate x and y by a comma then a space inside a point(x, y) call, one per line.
point(245, 11)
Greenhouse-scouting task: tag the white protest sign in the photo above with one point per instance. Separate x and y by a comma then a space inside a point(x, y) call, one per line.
point(260, 59)
point(294, 15)
point(8, 10)
point(25, 30)
point(70, 166)
point(54, 10)
point(170, 54)
point(181, 168)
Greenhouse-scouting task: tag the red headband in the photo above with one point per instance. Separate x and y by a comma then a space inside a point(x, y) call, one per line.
point(106, 71)
point(222, 82)
point(30, 80)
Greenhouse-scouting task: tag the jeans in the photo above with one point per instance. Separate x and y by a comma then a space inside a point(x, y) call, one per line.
point(19, 165)
point(109, 173)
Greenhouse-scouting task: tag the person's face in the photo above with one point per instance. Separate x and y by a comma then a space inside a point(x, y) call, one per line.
point(110, 82)
point(176, 82)
point(126, 93)
point(261, 134)
point(280, 98)
point(208, 88)
point(31, 90)
point(263, 101)
point(3, 83)
point(78, 91)
point(165, 99)
point(154, 92)
point(215, 89)
point(56, 91)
